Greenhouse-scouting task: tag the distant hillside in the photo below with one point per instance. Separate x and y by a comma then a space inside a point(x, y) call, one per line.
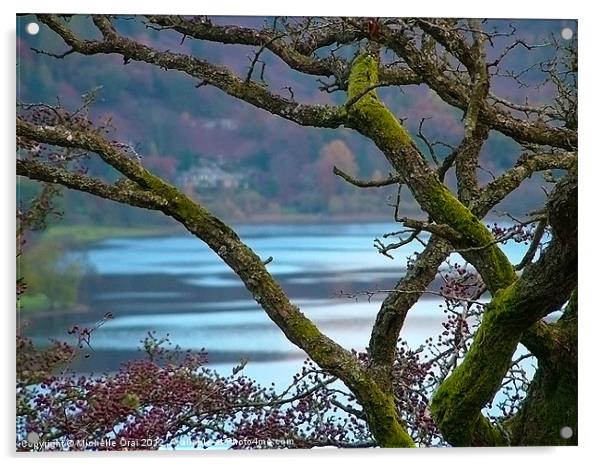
point(281, 169)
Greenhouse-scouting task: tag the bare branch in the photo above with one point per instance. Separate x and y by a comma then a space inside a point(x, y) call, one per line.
point(511, 46)
point(371, 294)
point(499, 188)
point(428, 144)
point(475, 133)
point(530, 254)
point(384, 249)
point(366, 183)
point(220, 77)
point(456, 93)
point(131, 195)
point(546, 110)
point(441, 230)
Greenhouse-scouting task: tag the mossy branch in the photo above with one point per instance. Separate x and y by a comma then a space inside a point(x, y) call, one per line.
point(459, 400)
point(371, 117)
point(542, 288)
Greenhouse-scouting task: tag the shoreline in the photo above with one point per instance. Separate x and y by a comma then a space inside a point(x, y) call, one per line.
point(83, 235)
point(87, 233)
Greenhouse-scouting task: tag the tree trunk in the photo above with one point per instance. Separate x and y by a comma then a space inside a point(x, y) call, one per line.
point(551, 403)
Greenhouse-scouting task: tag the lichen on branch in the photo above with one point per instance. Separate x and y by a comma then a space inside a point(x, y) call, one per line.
point(365, 108)
point(368, 115)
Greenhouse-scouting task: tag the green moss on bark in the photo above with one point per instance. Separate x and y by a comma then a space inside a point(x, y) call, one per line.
point(370, 117)
point(368, 110)
point(551, 402)
point(383, 418)
point(457, 403)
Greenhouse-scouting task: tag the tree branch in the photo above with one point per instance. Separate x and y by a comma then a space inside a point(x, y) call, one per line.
point(458, 95)
point(371, 118)
point(543, 287)
point(307, 115)
point(530, 254)
point(499, 188)
point(475, 134)
point(394, 309)
point(131, 195)
point(366, 183)
point(203, 29)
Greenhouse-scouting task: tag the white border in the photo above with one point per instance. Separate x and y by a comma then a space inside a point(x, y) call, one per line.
point(462, 8)
point(590, 109)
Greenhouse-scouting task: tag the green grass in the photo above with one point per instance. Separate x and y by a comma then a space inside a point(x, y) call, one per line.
point(88, 233)
point(38, 258)
point(33, 302)
point(36, 263)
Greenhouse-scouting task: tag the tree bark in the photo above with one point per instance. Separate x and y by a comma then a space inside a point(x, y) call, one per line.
point(551, 402)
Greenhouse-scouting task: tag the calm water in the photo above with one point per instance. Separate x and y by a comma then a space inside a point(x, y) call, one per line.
point(177, 285)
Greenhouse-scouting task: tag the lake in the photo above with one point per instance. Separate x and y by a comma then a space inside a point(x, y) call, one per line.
point(176, 285)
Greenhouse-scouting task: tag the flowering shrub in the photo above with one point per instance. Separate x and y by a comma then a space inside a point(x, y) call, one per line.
point(170, 398)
